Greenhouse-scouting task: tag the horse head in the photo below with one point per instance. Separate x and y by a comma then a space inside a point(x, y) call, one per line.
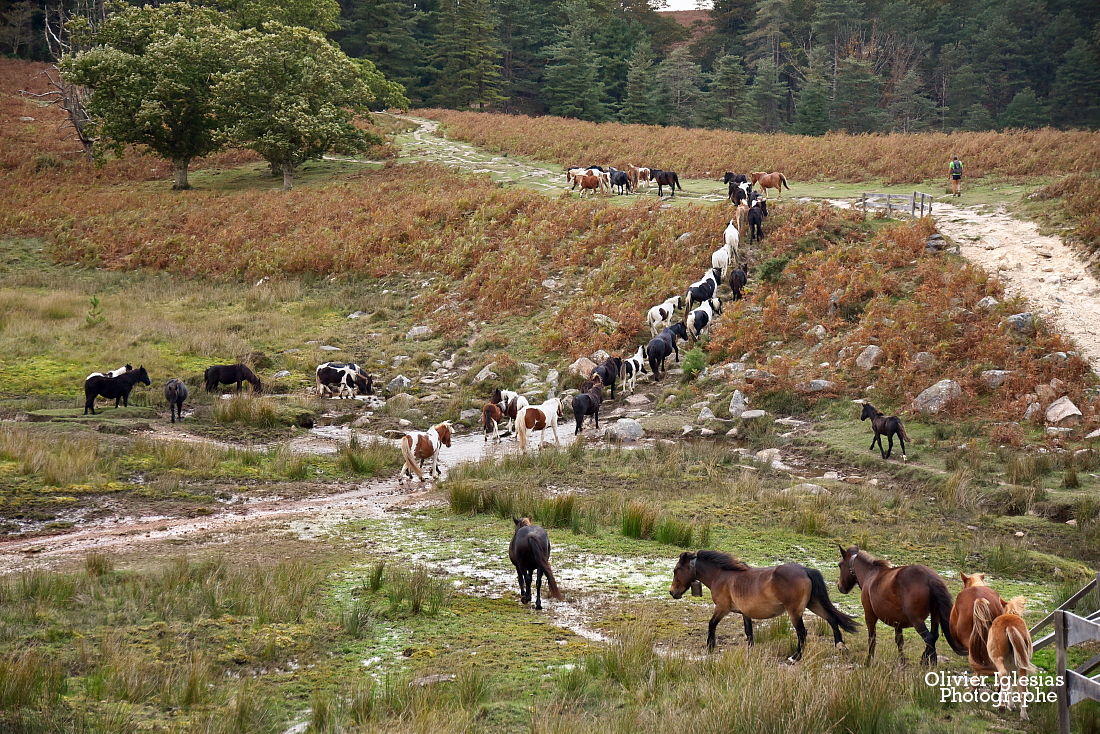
point(683, 575)
point(364, 383)
point(521, 522)
point(716, 305)
point(847, 573)
point(444, 432)
point(142, 376)
point(869, 411)
point(974, 579)
point(727, 178)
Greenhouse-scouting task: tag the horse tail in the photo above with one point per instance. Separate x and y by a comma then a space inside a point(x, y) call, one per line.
point(543, 562)
point(521, 428)
point(901, 431)
point(940, 606)
point(676, 180)
point(1021, 649)
point(410, 459)
point(819, 592)
point(487, 417)
point(783, 180)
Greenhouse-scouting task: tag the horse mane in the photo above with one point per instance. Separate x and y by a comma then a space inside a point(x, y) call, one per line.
point(1015, 605)
point(868, 558)
point(724, 561)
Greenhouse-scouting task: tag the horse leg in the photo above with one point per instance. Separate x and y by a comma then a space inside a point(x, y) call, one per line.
point(554, 427)
point(871, 621)
point(748, 629)
point(901, 440)
point(890, 449)
point(718, 616)
point(929, 637)
point(538, 588)
point(899, 640)
point(874, 440)
point(525, 584)
point(800, 630)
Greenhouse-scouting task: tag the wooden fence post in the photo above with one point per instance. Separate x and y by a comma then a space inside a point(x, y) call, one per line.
point(1060, 670)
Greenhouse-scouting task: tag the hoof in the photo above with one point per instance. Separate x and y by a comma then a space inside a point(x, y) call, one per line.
point(842, 647)
point(538, 607)
point(790, 660)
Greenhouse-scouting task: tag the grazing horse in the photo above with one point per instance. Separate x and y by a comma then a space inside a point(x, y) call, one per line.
point(620, 181)
point(530, 551)
point(175, 392)
point(666, 178)
point(759, 593)
point(421, 446)
point(609, 372)
point(885, 426)
point(1009, 647)
point(111, 373)
point(638, 175)
point(113, 387)
point(660, 315)
point(699, 320)
point(227, 374)
point(663, 345)
point(963, 628)
point(755, 219)
point(701, 290)
point(491, 418)
point(588, 402)
point(632, 367)
point(739, 277)
point(769, 181)
point(510, 403)
point(901, 596)
point(538, 418)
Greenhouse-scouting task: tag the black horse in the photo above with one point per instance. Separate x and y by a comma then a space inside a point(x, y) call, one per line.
point(738, 278)
point(736, 193)
point(755, 219)
point(620, 181)
point(588, 402)
point(885, 426)
point(665, 178)
point(175, 392)
point(609, 372)
point(530, 551)
point(113, 387)
point(663, 345)
point(227, 374)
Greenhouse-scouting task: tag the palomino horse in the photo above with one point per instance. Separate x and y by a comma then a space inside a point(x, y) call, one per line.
point(421, 446)
point(491, 418)
point(538, 418)
point(767, 181)
point(964, 630)
point(530, 551)
point(759, 593)
point(883, 425)
point(901, 596)
point(1008, 644)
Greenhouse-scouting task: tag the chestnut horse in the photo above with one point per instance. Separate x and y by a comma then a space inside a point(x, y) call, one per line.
point(1009, 647)
point(901, 596)
point(491, 418)
point(964, 630)
point(759, 593)
point(767, 181)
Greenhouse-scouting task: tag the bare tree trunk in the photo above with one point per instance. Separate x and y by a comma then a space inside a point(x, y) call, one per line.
point(179, 174)
point(288, 177)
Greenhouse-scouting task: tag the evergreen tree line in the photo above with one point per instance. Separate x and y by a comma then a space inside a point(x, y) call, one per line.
point(804, 66)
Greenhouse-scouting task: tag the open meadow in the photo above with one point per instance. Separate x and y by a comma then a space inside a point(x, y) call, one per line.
point(259, 567)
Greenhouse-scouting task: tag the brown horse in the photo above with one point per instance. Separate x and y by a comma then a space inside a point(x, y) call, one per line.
point(767, 181)
point(491, 418)
point(901, 596)
point(1008, 646)
point(759, 593)
point(963, 628)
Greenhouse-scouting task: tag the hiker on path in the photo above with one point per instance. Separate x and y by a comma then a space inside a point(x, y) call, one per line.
point(956, 169)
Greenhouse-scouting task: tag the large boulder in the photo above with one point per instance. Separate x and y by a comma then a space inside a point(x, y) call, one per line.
point(398, 383)
point(738, 404)
point(582, 367)
point(626, 429)
point(870, 357)
point(936, 398)
point(1062, 412)
point(486, 373)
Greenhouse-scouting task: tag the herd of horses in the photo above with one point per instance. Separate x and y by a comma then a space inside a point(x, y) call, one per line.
point(595, 179)
point(976, 623)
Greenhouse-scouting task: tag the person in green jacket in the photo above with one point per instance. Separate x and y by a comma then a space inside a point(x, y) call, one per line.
point(956, 169)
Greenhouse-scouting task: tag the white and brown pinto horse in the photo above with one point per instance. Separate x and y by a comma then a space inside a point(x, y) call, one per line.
point(584, 177)
point(510, 404)
point(420, 446)
point(538, 418)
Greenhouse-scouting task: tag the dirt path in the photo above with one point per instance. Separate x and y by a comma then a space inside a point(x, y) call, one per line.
point(1041, 268)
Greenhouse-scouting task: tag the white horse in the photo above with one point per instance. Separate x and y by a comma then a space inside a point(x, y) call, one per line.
point(720, 260)
point(538, 418)
point(660, 315)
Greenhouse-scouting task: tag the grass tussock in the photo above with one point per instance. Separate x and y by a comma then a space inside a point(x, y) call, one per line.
point(370, 459)
point(248, 410)
point(56, 463)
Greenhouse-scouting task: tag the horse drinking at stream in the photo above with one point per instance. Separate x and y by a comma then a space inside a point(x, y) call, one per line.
point(759, 593)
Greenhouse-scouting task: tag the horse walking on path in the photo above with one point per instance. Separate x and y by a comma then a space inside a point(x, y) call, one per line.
point(963, 628)
point(421, 446)
point(767, 181)
point(530, 552)
point(900, 596)
point(538, 418)
point(888, 426)
point(759, 593)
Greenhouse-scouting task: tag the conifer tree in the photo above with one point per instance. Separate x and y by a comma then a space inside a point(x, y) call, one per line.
point(640, 105)
point(467, 59)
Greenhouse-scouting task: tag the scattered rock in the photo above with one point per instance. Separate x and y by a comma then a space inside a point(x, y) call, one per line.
point(738, 404)
point(1056, 431)
point(805, 488)
point(638, 399)
point(686, 430)
point(935, 398)
point(486, 373)
point(924, 360)
point(626, 429)
point(469, 413)
point(429, 680)
point(1094, 434)
point(817, 333)
point(1034, 410)
point(767, 456)
point(417, 332)
point(357, 314)
point(530, 368)
point(1022, 323)
point(328, 348)
point(987, 304)
point(429, 398)
point(1063, 412)
point(751, 415)
point(1046, 393)
point(398, 383)
point(605, 322)
point(870, 357)
point(995, 378)
point(817, 386)
point(280, 373)
point(1071, 523)
point(372, 402)
point(706, 432)
point(831, 476)
point(684, 237)
point(550, 283)
point(755, 375)
point(552, 377)
point(706, 414)
point(582, 367)
point(599, 357)
point(732, 433)
point(398, 359)
point(404, 422)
